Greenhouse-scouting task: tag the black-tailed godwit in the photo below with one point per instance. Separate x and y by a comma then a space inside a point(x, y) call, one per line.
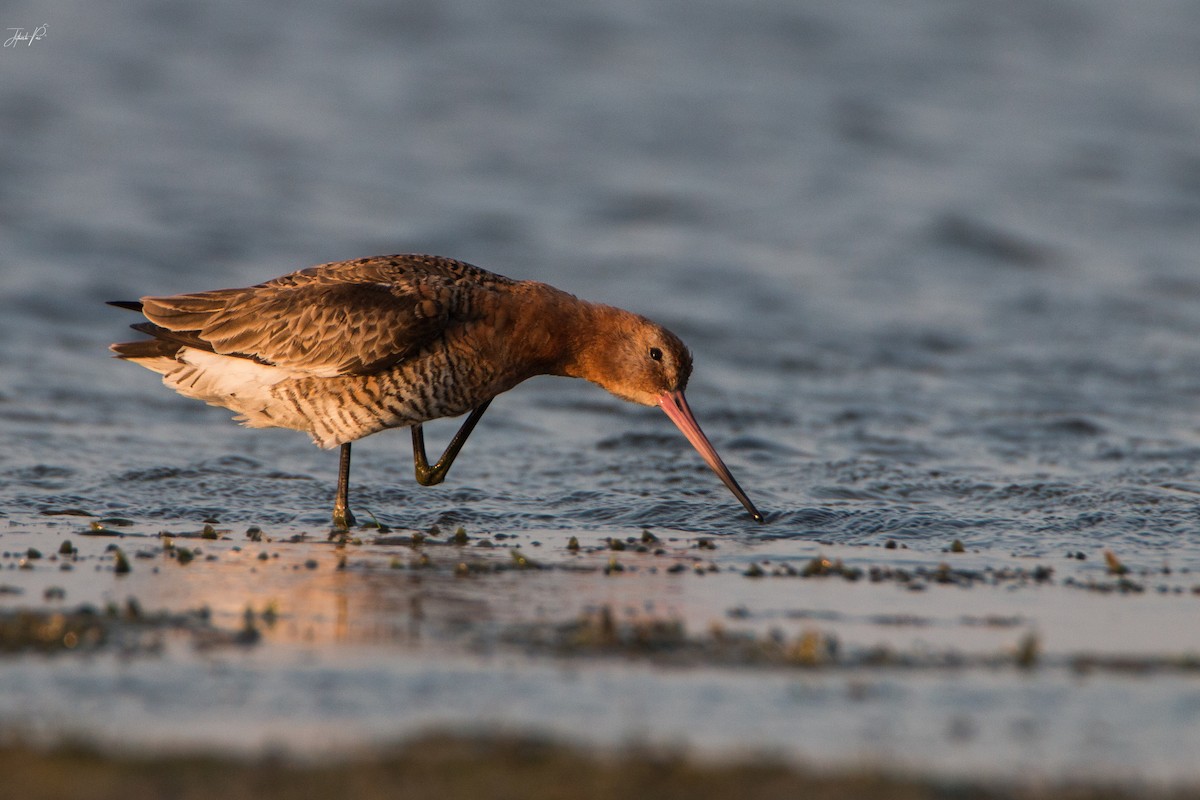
point(343, 350)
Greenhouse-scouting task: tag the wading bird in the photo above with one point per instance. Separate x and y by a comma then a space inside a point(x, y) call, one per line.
point(344, 350)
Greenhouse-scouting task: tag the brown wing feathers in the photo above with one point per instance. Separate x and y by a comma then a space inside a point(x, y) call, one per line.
point(344, 318)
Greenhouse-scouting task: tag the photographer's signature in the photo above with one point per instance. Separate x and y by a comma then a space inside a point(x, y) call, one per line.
point(24, 36)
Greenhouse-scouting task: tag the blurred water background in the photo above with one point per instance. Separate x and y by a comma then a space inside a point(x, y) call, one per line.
point(936, 261)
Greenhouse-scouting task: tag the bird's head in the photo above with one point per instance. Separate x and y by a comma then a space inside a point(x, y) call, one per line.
point(643, 362)
point(638, 360)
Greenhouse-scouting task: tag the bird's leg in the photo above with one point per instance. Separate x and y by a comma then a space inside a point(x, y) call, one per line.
point(431, 476)
point(343, 520)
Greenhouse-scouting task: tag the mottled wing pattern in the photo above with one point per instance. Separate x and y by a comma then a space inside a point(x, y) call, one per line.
point(396, 268)
point(350, 317)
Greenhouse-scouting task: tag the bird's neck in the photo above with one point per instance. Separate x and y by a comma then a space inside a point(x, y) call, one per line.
point(564, 335)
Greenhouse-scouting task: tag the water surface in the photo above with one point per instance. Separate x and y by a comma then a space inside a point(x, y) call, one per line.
point(936, 265)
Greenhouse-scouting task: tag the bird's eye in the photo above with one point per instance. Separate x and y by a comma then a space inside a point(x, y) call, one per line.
point(656, 354)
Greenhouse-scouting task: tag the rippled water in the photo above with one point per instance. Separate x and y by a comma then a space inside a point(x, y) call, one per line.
point(937, 263)
point(937, 266)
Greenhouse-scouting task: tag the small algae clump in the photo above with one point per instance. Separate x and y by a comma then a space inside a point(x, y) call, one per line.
point(820, 567)
point(599, 632)
point(523, 561)
point(270, 613)
point(810, 649)
point(1115, 567)
point(1027, 651)
point(249, 633)
point(374, 523)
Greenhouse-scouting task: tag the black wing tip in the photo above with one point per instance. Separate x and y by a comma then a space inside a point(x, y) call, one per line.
point(145, 348)
point(131, 305)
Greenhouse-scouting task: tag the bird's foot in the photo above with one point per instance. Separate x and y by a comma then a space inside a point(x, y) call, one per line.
point(431, 476)
point(343, 520)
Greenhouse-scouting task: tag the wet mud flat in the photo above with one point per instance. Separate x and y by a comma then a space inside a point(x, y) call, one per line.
point(460, 767)
point(776, 662)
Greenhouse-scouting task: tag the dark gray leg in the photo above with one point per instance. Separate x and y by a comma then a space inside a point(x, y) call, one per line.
point(343, 520)
point(431, 476)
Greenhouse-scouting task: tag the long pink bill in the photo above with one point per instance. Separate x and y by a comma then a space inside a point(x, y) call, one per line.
point(676, 407)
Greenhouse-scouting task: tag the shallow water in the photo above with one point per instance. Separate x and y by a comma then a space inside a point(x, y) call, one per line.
point(936, 265)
